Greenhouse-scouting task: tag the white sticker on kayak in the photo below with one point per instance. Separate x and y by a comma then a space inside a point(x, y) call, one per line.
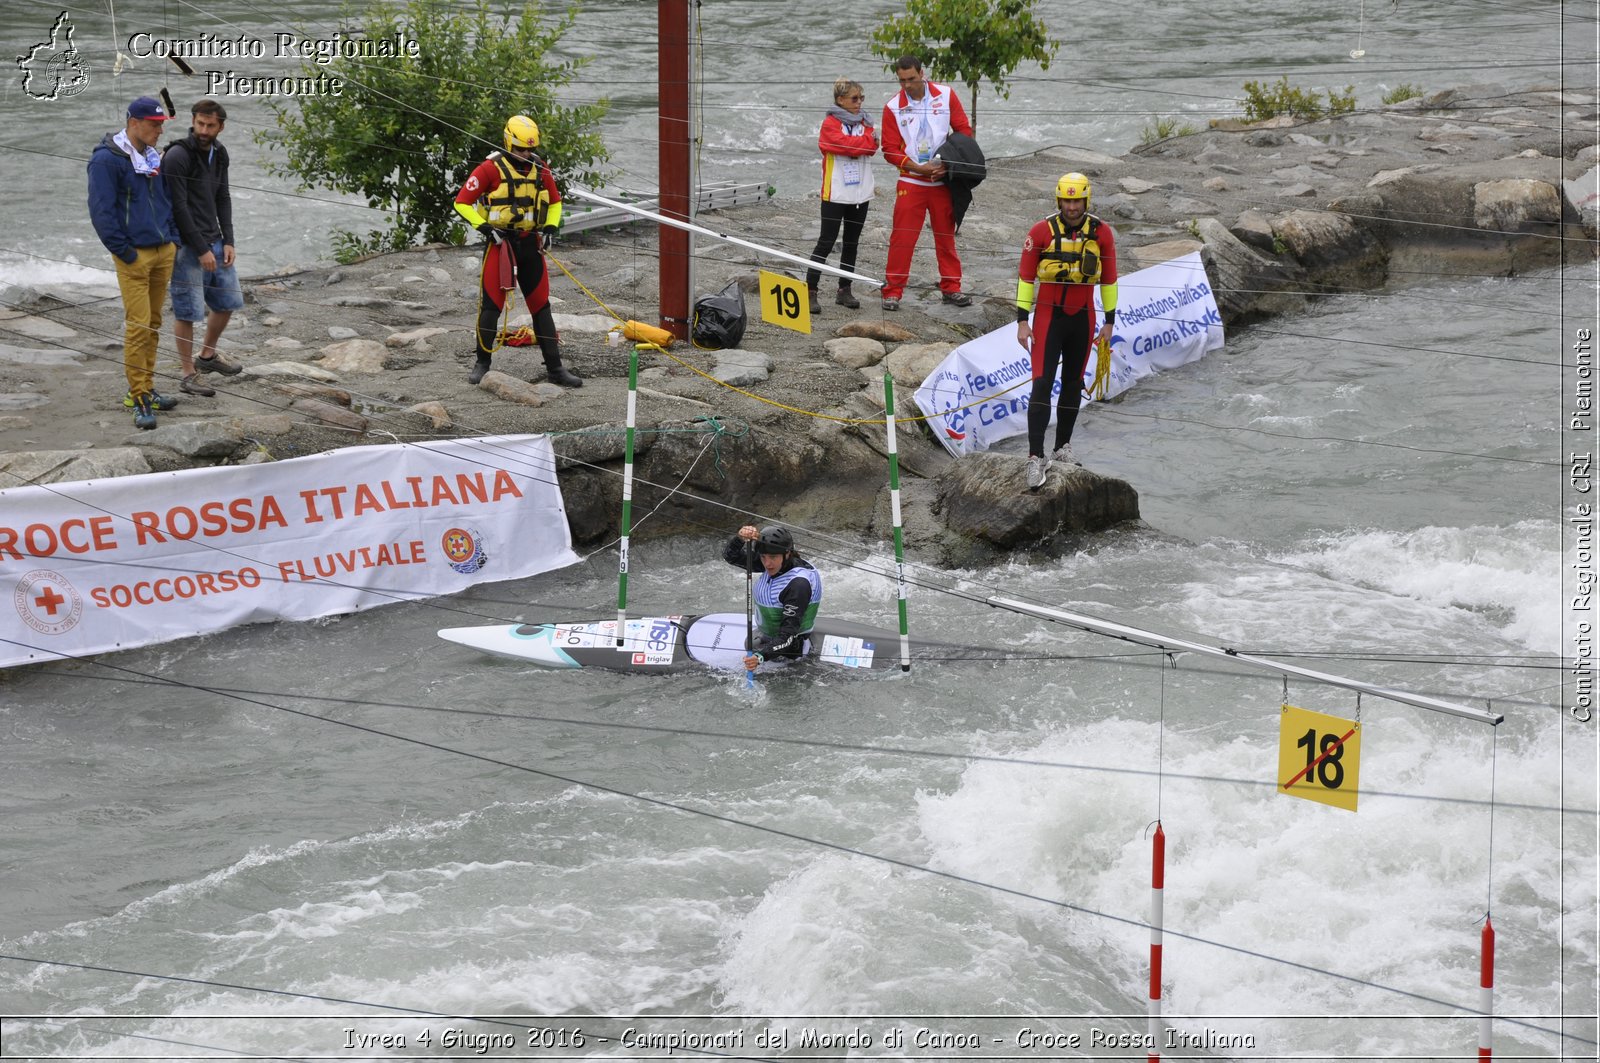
point(847, 652)
point(651, 639)
point(581, 636)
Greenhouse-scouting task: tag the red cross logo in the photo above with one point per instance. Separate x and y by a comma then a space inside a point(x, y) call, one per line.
point(49, 600)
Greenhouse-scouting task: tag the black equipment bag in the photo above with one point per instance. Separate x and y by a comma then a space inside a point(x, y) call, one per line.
point(719, 319)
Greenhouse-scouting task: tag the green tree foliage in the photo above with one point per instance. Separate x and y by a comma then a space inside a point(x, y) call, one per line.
point(406, 132)
point(1269, 101)
point(967, 40)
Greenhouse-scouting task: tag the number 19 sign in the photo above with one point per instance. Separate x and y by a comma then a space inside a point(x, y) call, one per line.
point(1319, 757)
point(785, 302)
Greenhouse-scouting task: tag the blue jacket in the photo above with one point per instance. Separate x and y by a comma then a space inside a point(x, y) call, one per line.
point(129, 210)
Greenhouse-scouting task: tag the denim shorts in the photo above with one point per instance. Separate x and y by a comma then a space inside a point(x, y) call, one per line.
point(189, 281)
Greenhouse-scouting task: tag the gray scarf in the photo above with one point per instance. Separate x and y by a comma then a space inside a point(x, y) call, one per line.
point(849, 120)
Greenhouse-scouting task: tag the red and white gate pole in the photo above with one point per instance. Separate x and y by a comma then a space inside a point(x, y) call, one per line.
point(1486, 993)
point(1158, 871)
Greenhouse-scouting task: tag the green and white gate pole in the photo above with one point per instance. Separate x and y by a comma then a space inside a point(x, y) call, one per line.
point(894, 510)
point(627, 501)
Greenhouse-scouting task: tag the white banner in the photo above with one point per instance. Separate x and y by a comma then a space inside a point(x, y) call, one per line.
point(134, 560)
point(1166, 316)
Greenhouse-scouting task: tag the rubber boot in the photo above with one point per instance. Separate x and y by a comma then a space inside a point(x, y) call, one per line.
point(846, 297)
point(558, 374)
point(811, 294)
point(480, 367)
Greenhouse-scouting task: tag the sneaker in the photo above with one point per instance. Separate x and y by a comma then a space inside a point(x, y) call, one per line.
point(190, 385)
point(479, 368)
point(1035, 472)
point(216, 364)
point(958, 298)
point(143, 416)
point(812, 302)
point(891, 303)
point(1065, 455)
point(847, 298)
point(157, 400)
point(563, 376)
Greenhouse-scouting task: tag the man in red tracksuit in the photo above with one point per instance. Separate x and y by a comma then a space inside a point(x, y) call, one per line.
point(916, 121)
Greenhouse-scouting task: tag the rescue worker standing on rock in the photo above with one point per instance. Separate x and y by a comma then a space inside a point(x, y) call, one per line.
point(1063, 258)
point(788, 592)
point(521, 213)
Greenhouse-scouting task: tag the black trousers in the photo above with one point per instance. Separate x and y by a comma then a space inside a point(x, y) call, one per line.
point(1066, 347)
point(853, 217)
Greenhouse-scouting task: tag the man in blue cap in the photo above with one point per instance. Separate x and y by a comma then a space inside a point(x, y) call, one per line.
point(132, 215)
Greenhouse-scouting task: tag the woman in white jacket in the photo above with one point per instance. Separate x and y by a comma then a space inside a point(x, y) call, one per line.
point(848, 143)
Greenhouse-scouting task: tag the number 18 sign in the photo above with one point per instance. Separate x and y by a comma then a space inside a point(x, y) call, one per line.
point(785, 302)
point(1319, 757)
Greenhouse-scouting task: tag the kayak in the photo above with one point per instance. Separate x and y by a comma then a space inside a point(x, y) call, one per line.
point(655, 644)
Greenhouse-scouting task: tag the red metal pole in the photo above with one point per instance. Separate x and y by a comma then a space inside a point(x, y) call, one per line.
point(672, 66)
point(1158, 876)
point(1486, 993)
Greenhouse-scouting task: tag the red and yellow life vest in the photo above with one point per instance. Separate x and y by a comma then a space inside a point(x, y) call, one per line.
point(519, 201)
point(1073, 255)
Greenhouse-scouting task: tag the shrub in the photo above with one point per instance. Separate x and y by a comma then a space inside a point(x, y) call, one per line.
point(1278, 98)
point(1164, 127)
point(1405, 91)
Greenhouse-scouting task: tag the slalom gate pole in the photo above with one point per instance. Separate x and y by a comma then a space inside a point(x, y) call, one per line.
point(627, 501)
point(749, 613)
point(1158, 875)
point(1486, 993)
point(894, 509)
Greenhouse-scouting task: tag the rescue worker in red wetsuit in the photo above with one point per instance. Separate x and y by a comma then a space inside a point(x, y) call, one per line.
point(1063, 258)
point(521, 211)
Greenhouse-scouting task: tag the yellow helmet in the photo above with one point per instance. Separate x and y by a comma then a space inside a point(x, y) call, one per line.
point(1073, 186)
point(521, 132)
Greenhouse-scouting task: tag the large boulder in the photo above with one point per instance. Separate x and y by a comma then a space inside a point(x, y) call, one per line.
point(68, 466)
point(690, 478)
point(741, 368)
point(325, 413)
point(1247, 284)
point(854, 352)
point(600, 443)
point(910, 363)
point(354, 356)
point(200, 440)
point(1333, 249)
point(1516, 206)
point(983, 496)
point(884, 331)
point(509, 388)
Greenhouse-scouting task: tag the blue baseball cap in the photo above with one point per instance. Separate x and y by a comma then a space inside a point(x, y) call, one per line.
point(148, 108)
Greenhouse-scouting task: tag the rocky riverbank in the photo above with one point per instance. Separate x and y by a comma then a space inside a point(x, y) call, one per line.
point(1479, 180)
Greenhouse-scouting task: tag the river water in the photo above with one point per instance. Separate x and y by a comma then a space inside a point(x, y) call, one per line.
point(256, 842)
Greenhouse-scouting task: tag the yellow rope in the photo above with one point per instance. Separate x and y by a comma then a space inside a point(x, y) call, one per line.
point(770, 402)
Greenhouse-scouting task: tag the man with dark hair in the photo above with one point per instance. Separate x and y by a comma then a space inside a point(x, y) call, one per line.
point(788, 592)
point(133, 217)
point(916, 121)
point(205, 285)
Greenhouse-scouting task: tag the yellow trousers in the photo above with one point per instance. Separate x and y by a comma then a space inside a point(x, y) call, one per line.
point(144, 288)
